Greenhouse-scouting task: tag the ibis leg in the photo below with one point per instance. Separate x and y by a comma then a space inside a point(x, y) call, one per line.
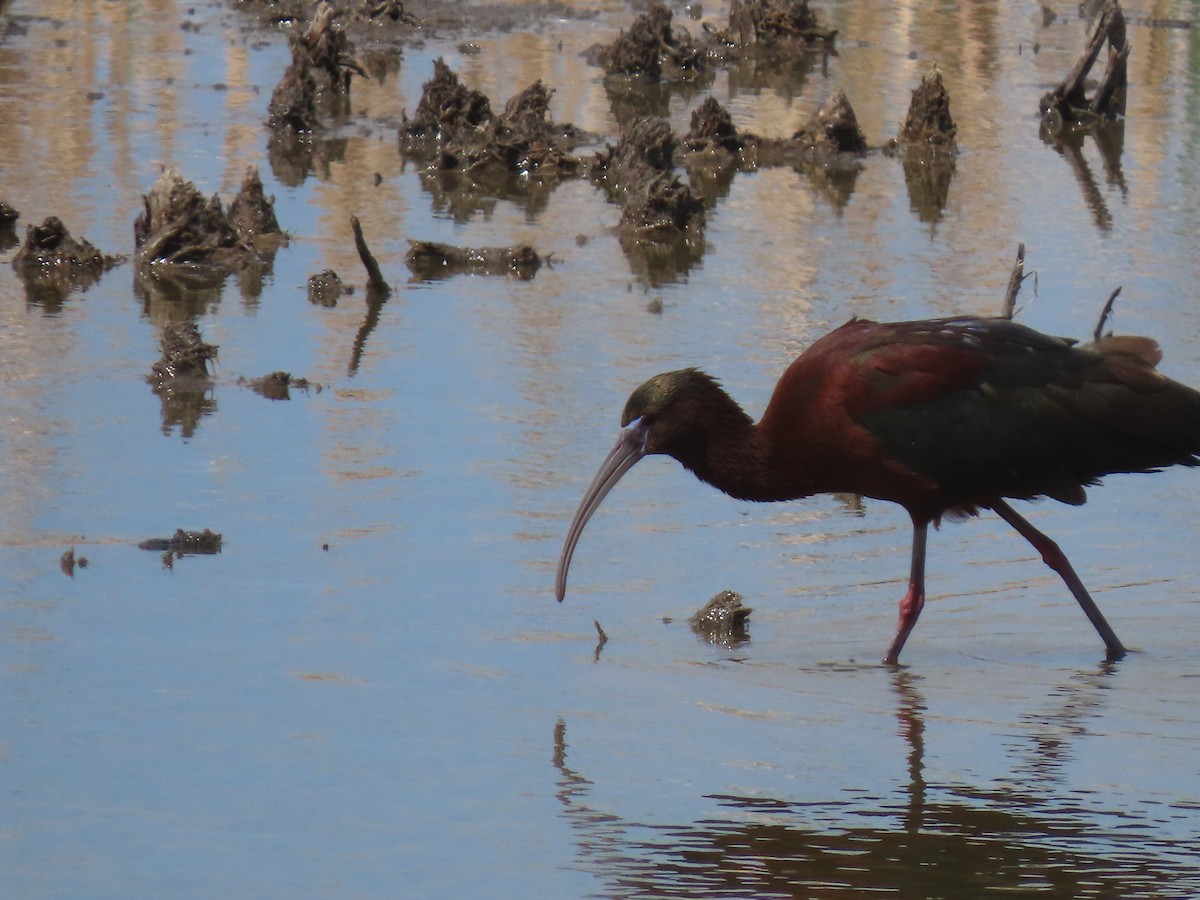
point(1053, 556)
point(914, 600)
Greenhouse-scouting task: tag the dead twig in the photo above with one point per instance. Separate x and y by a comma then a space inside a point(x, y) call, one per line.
point(375, 280)
point(600, 643)
point(1105, 314)
point(1069, 101)
point(1014, 284)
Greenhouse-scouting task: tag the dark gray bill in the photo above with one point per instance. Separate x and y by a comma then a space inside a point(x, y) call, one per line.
point(630, 447)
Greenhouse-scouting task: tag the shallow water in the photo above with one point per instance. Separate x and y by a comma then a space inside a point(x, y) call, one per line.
point(408, 712)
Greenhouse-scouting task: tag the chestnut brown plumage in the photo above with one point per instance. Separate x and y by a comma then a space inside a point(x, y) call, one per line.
point(942, 416)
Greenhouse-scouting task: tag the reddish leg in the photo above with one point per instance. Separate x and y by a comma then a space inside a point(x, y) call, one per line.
point(914, 600)
point(1053, 556)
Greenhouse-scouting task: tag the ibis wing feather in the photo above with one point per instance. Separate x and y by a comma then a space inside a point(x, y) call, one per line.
point(989, 407)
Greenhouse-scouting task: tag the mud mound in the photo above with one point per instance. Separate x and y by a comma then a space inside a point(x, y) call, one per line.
point(834, 128)
point(317, 82)
point(178, 225)
point(772, 22)
point(712, 128)
point(52, 263)
point(251, 213)
point(662, 219)
point(929, 123)
point(447, 107)
point(652, 48)
point(454, 129)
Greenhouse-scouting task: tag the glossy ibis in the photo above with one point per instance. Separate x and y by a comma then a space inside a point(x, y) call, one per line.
point(943, 416)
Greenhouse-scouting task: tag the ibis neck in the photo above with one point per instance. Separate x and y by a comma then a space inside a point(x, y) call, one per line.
point(734, 455)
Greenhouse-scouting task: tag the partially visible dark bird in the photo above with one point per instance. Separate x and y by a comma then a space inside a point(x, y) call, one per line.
point(943, 416)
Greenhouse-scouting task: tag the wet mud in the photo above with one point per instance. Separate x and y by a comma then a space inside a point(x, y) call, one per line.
point(724, 620)
point(186, 245)
point(69, 561)
point(277, 385)
point(52, 263)
point(178, 225)
point(470, 154)
point(183, 543)
point(429, 260)
point(326, 287)
point(655, 49)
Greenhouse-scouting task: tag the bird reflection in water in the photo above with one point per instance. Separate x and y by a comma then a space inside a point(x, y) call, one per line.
point(1026, 836)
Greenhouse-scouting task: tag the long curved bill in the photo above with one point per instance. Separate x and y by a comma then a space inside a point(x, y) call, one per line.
point(630, 447)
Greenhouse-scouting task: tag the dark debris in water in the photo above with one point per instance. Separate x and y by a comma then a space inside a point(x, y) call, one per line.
point(183, 543)
point(429, 260)
point(52, 263)
point(277, 385)
point(771, 22)
point(722, 620)
point(455, 130)
point(326, 288)
point(68, 562)
point(653, 48)
point(929, 123)
point(1068, 107)
point(8, 226)
point(317, 83)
